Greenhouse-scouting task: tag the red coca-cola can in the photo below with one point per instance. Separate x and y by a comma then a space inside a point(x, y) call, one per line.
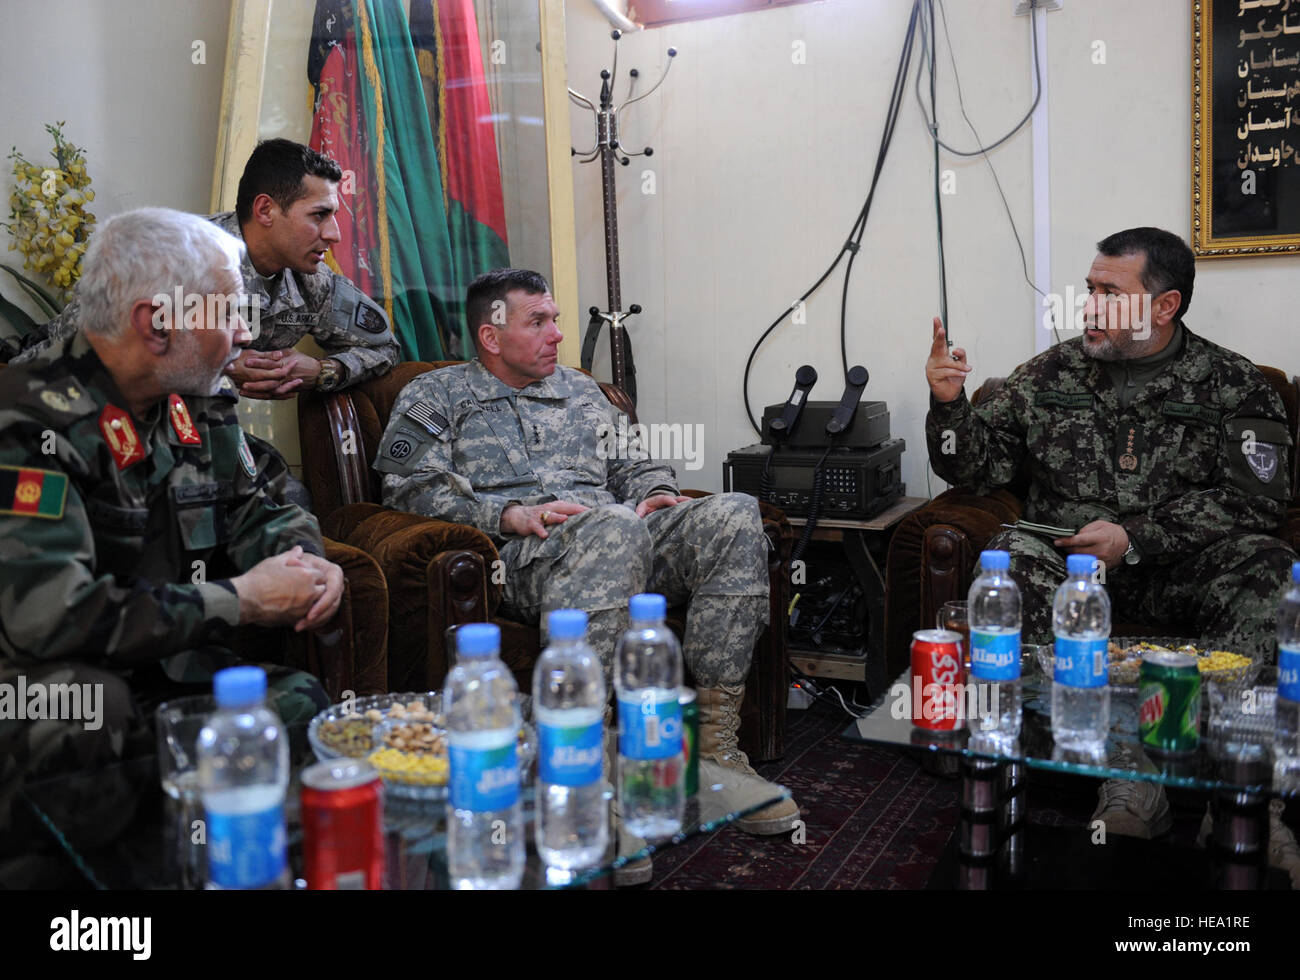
point(937, 680)
point(342, 826)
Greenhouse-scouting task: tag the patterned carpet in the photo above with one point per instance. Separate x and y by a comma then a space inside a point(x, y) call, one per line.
point(873, 819)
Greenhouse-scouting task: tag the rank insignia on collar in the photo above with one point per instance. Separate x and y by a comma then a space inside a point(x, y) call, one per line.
point(181, 421)
point(55, 400)
point(246, 456)
point(121, 436)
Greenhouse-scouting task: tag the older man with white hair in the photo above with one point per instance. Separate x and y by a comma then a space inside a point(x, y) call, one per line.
point(139, 534)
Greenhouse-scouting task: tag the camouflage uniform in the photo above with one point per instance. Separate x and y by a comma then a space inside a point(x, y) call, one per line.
point(349, 326)
point(1195, 468)
point(463, 445)
point(99, 564)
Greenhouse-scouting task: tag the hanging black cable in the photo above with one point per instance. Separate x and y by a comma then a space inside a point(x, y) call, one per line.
point(1038, 89)
point(938, 196)
point(852, 243)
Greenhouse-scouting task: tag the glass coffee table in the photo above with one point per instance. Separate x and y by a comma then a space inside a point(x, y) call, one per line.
point(139, 847)
point(992, 830)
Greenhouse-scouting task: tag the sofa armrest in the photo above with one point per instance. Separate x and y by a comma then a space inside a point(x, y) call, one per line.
point(931, 556)
point(353, 654)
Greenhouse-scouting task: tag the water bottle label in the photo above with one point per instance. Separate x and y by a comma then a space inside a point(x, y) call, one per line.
point(569, 756)
point(1080, 663)
point(649, 728)
point(483, 776)
point(995, 656)
point(1288, 673)
point(246, 850)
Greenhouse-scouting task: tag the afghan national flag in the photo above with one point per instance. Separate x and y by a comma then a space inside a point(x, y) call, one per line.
point(29, 492)
point(339, 131)
point(423, 223)
point(446, 38)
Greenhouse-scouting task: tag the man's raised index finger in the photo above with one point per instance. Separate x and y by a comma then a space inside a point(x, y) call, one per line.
point(940, 338)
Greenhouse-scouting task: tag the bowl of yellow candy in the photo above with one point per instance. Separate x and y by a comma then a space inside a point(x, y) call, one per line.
point(411, 757)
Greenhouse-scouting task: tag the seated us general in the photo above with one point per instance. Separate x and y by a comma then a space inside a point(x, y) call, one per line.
point(510, 443)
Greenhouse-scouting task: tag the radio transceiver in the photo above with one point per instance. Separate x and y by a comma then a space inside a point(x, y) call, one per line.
point(827, 459)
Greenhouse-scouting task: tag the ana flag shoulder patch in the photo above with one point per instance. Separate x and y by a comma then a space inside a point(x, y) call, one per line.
point(29, 492)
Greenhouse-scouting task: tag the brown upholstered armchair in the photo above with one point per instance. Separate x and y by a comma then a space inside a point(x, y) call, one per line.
point(934, 551)
point(438, 573)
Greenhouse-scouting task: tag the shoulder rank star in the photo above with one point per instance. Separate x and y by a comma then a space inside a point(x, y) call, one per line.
point(121, 436)
point(181, 421)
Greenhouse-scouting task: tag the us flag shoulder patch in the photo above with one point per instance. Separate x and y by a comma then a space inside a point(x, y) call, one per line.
point(29, 492)
point(424, 415)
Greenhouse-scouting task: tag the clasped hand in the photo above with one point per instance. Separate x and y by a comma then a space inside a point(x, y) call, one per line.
point(523, 520)
point(293, 588)
point(273, 374)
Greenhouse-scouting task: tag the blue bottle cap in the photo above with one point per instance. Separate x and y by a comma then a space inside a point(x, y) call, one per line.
point(647, 605)
point(995, 561)
point(478, 640)
point(567, 624)
point(1295, 573)
point(1080, 564)
point(236, 687)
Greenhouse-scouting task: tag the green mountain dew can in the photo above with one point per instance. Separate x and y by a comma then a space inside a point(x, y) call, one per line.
point(1169, 702)
point(690, 739)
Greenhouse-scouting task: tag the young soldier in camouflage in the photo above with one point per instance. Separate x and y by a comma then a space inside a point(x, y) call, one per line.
point(137, 529)
point(1166, 453)
point(285, 212)
point(512, 443)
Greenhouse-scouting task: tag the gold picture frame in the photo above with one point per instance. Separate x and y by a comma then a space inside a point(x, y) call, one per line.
point(1242, 209)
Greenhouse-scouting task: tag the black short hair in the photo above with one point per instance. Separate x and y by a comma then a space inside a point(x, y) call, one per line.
point(277, 167)
point(492, 286)
point(1169, 264)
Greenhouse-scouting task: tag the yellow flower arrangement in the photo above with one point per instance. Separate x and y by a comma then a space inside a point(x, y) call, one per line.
point(49, 222)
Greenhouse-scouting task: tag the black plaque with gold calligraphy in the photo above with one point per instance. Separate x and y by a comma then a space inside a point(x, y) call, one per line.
point(1246, 127)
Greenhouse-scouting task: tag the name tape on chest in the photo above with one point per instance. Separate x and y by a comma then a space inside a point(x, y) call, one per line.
point(1190, 412)
point(1060, 399)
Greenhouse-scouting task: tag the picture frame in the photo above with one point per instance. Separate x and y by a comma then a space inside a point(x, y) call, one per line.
point(1245, 108)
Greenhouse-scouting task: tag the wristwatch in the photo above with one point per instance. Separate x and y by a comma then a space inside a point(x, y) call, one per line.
point(331, 375)
point(1131, 556)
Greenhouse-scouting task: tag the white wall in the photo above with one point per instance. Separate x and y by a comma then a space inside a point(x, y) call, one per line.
point(762, 163)
point(121, 74)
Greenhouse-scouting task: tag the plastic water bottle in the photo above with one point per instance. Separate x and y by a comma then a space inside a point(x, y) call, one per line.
point(1286, 730)
point(485, 819)
point(1080, 692)
point(572, 826)
point(647, 679)
point(243, 755)
point(993, 610)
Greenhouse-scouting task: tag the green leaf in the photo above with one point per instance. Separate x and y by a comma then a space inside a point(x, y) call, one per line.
point(17, 319)
point(40, 296)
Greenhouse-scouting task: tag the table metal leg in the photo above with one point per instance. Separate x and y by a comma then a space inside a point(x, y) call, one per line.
point(1239, 842)
point(873, 589)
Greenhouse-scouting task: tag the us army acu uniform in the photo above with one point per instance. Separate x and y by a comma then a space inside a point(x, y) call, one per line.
point(118, 540)
point(349, 326)
point(463, 445)
point(1191, 458)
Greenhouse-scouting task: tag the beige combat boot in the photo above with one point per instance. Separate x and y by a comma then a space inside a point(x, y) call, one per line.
point(638, 872)
point(719, 726)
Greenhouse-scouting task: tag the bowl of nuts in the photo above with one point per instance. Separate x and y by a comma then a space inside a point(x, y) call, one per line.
point(403, 737)
point(346, 729)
